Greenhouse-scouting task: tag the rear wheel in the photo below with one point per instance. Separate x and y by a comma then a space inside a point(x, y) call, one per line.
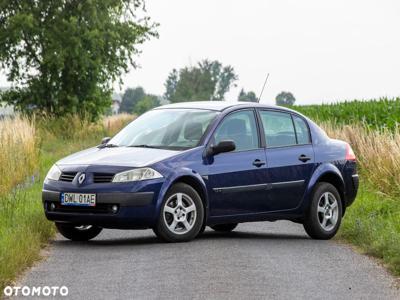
point(325, 212)
point(181, 216)
point(224, 227)
point(78, 233)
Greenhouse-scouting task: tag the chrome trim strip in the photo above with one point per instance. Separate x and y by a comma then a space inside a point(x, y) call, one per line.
point(258, 187)
point(242, 188)
point(287, 183)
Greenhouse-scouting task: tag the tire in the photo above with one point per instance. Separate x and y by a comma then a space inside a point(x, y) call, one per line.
point(182, 214)
point(202, 229)
point(325, 212)
point(224, 227)
point(78, 233)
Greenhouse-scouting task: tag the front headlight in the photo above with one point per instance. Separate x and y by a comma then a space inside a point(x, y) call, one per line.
point(136, 175)
point(54, 173)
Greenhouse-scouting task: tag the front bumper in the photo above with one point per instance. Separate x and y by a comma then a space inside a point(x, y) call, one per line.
point(135, 210)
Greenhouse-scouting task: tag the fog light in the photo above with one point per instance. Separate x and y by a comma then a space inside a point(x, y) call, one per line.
point(114, 209)
point(52, 206)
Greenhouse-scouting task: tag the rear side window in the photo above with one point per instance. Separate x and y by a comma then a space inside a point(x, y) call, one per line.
point(241, 128)
point(278, 129)
point(302, 131)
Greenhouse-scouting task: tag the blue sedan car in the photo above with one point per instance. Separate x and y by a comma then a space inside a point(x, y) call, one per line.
point(181, 167)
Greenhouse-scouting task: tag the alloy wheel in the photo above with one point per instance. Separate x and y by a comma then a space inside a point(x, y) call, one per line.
point(328, 211)
point(179, 213)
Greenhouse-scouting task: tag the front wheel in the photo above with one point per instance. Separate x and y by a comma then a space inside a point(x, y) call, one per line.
point(78, 233)
point(182, 214)
point(325, 212)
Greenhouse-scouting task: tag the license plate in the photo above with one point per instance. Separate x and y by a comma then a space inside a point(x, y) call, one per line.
point(78, 199)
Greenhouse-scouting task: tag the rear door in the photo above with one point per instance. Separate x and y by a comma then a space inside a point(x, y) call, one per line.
point(290, 157)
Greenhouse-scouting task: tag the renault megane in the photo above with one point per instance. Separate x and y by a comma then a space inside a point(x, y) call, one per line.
point(181, 167)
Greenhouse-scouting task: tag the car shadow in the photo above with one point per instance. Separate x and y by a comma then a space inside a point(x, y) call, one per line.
point(208, 235)
point(146, 240)
point(252, 235)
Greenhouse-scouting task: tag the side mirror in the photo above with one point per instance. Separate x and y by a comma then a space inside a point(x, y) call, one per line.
point(222, 147)
point(105, 140)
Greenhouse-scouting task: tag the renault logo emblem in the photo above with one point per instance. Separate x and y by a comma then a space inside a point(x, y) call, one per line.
point(81, 178)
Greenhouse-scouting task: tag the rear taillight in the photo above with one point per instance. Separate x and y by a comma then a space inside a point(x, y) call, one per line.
point(350, 153)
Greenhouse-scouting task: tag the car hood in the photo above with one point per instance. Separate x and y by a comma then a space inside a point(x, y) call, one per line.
point(121, 156)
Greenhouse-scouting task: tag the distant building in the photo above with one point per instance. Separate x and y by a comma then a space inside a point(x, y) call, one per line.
point(5, 110)
point(116, 103)
point(162, 100)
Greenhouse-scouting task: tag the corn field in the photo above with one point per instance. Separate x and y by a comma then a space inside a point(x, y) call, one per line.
point(379, 114)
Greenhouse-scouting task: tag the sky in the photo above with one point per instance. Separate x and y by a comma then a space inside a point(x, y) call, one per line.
point(321, 51)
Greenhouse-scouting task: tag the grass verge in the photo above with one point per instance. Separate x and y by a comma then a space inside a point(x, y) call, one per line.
point(373, 224)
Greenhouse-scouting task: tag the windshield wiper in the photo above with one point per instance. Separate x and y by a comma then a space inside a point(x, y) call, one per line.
point(107, 146)
point(144, 146)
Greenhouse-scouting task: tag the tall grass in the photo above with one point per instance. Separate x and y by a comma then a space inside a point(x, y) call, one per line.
point(69, 127)
point(377, 151)
point(113, 124)
point(18, 152)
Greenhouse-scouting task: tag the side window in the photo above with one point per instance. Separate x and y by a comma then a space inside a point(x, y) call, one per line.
point(241, 128)
point(302, 131)
point(278, 129)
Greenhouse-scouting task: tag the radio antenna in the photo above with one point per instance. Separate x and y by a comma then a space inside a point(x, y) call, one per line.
point(265, 82)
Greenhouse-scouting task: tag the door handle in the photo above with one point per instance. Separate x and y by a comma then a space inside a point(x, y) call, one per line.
point(304, 158)
point(258, 163)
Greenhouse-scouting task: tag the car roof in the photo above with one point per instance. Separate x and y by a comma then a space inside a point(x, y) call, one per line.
point(217, 105)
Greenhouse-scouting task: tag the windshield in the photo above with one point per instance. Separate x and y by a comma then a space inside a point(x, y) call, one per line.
point(175, 129)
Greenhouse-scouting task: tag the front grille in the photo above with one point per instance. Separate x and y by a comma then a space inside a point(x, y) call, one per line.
point(67, 176)
point(100, 208)
point(102, 177)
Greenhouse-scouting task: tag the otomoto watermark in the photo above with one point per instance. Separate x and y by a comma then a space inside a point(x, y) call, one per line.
point(41, 291)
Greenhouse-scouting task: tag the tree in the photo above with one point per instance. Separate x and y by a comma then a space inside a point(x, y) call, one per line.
point(130, 98)
point(209, 80)
point(135, 100)
point(247, 97)
point(170, 84)
point(63, 56)
point(146, 103)
point(285, 98)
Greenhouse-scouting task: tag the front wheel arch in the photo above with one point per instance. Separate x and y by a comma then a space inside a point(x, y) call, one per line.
point(201, 190)
point(162, 228)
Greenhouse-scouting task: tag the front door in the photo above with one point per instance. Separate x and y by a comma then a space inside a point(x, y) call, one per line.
point(237, 180)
